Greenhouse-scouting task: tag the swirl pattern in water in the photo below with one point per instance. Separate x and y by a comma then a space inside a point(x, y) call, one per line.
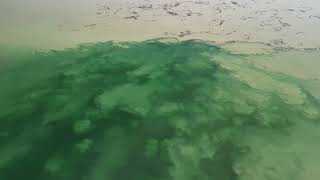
point(152, 111)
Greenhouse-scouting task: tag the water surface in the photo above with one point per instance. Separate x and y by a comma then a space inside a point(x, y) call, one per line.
point(154, 110)
point(87, 93)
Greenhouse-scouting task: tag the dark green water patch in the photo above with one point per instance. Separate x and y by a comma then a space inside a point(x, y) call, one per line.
point(149, 110)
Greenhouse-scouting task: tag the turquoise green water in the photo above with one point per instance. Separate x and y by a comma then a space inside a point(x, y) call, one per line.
point(142, 111)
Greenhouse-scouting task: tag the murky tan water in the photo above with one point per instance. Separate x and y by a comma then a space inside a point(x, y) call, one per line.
point(64, 23)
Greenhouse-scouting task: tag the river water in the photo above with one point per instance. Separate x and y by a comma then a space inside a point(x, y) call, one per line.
point(64, 23)
point(159, 89)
